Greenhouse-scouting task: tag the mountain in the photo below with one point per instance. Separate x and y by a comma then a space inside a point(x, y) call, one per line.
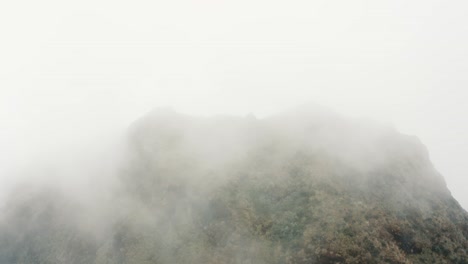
point(305, 186)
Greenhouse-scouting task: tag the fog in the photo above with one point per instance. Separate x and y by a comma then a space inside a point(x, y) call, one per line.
point(233, 131)
point(74, 76)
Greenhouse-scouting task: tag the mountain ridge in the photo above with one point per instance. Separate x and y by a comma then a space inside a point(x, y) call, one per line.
point(300, 187)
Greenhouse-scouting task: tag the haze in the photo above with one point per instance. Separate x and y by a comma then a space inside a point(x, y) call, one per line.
point(77, 74)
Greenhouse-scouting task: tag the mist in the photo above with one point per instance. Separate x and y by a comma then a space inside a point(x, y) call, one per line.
point(110, 109)
point(71, 71)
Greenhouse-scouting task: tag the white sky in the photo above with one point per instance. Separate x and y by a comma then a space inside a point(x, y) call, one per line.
point(71, 70)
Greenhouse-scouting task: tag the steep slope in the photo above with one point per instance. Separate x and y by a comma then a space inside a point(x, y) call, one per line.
point(307, 186)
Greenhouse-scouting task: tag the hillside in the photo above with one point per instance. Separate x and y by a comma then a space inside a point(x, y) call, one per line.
point(305, 186)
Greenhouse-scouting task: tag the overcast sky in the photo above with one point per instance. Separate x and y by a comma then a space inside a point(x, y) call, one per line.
point(75, 70)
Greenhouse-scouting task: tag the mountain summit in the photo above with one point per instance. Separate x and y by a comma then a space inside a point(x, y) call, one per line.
point(306, 186)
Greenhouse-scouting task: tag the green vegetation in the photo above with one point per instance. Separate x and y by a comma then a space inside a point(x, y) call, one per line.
point(279, 202)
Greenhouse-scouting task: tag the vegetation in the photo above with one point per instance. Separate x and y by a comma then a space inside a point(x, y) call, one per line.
point(278, 202)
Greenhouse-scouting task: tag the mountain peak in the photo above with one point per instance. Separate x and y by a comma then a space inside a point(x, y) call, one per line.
point(306, 186)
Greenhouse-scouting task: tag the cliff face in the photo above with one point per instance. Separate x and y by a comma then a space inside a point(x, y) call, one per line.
point(304, 187)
